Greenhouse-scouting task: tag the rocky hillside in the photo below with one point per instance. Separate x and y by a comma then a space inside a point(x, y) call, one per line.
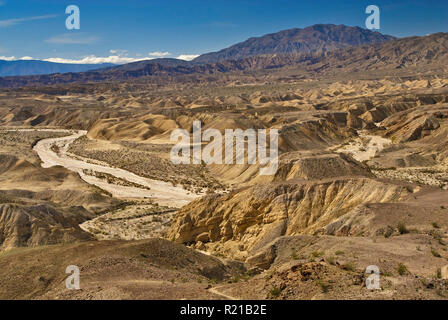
point(36, 225)
point(146, 270)
point(314, 39)
point(244, 220)
point(427, 52)
point(44, 206)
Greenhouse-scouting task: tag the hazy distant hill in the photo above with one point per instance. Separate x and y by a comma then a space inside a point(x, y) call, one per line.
point(315, 39)
point(36, 67)
point(164, 62)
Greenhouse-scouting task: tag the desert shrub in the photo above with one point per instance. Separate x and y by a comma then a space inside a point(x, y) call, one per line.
point(324, 286)
point(435, 253)
point(402, 269)
point(316, 254)
point(349, 266)
point(402, 228)
point(294, 255)
point(275, 292)
point(331, 260)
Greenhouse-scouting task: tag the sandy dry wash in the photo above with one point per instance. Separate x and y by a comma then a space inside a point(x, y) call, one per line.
point(365, 147)
point(161, 192)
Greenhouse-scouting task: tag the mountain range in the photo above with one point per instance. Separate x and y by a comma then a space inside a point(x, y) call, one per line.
point(37, 67)
point(316, 50)
point(317, 38)
point(314, 39)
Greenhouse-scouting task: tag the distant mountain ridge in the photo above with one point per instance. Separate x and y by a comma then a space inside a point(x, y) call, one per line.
point(319, 38)
point(38, 67)
point(413, 54)
point(314, 39)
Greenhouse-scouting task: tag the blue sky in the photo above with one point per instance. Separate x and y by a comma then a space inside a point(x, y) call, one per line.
point(124, 31)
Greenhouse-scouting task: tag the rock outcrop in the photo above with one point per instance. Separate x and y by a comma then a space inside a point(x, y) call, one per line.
point(245, 220)
point(414, 124)
point(35, 225)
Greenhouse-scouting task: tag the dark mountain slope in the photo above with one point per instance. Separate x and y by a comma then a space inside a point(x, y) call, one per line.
point(315, 39)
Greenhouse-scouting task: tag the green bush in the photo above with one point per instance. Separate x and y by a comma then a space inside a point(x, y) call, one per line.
point(349, 266)
point(316, 254)
point(402, 228)
point(324, 286)
point(402, 269)
point(435, 225)
point(331, 260)
point(275, 292)
point(435, 253)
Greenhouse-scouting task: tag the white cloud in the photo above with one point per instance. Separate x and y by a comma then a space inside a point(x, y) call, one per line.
point(12, 58)
point(119, 52)
point(159, 54)
point(187, 57)
point(114, 58)
point(92, 59)
point(73, 38)
point(117, 58)
point(12, 22)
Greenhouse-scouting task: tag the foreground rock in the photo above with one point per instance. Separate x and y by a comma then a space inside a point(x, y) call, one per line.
point(244, 220)
point(310, 267)
point(148, 269)
point(30, 226)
